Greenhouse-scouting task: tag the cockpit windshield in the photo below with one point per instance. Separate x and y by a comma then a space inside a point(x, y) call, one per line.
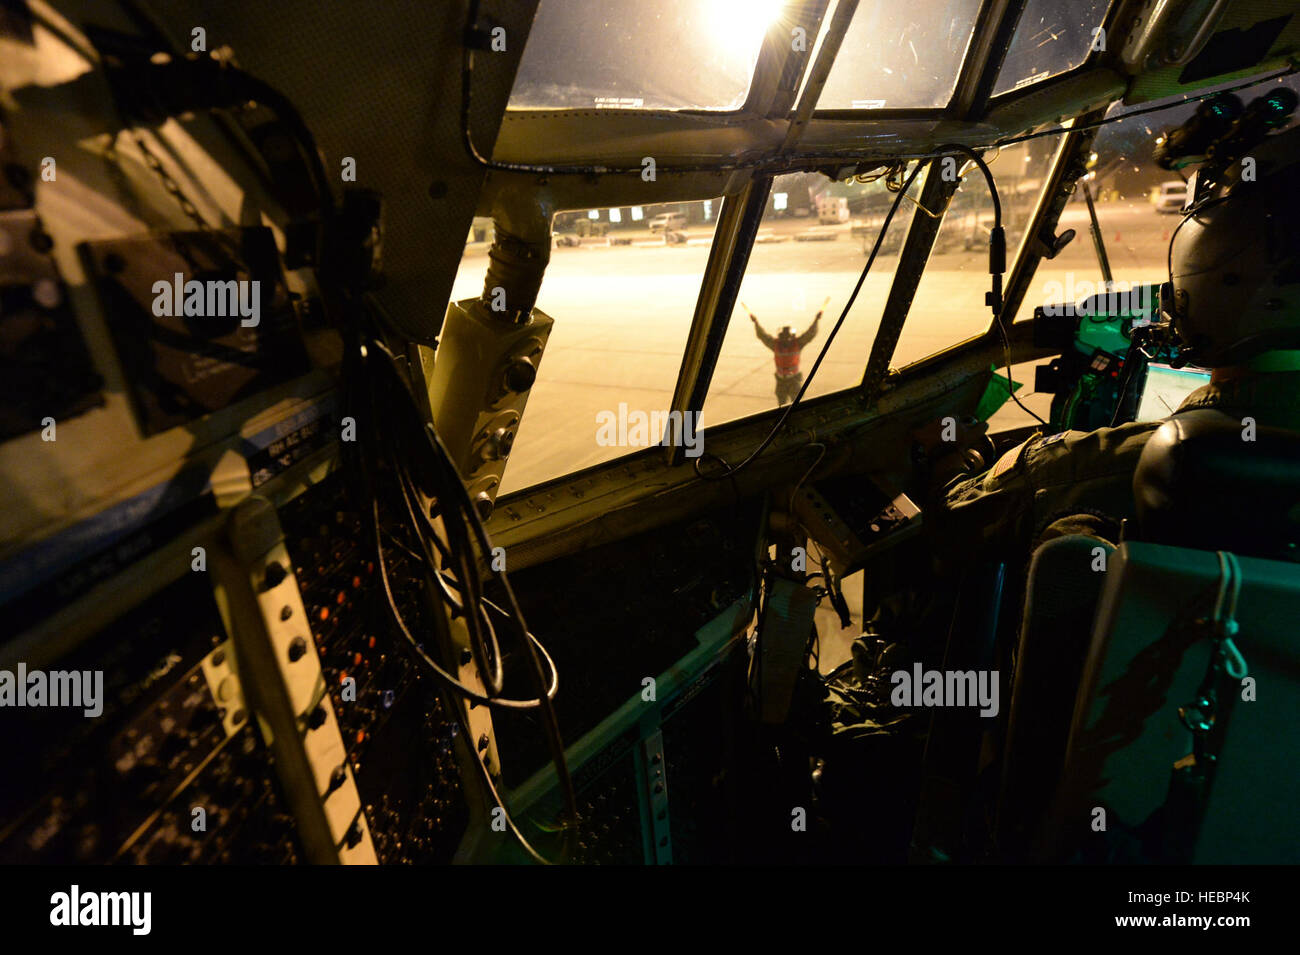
point(901, 55)
point(702, 54)
point(629, 54)
point(1053, 37)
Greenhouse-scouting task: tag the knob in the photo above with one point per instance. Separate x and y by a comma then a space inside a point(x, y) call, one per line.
point(520, 374)
point(337, 778)
point(497, 445)
point(275, 574)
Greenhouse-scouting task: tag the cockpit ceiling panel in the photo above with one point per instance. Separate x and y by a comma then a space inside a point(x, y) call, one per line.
point(1251, 37)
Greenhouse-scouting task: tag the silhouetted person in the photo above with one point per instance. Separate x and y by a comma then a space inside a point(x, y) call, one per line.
point(786, 348)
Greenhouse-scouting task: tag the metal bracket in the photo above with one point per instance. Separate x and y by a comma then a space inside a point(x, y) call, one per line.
point(653, 770)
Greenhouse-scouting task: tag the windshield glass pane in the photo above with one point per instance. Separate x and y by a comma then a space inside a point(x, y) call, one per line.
point(1137, 204)
point(621, 286)
point(949, 305)
point(633, 54)
point(1053, 37)
point(901, 54)
point(811, 246)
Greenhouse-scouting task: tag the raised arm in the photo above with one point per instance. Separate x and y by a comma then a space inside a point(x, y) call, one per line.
point(763, 336)
point(811, 333)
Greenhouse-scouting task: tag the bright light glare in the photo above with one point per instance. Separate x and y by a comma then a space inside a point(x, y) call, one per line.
point(739, 25)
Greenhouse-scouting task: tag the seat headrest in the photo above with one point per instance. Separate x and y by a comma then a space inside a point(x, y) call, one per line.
point(1214, 482)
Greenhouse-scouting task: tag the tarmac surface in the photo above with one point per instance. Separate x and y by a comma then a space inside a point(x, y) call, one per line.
point(623, 312)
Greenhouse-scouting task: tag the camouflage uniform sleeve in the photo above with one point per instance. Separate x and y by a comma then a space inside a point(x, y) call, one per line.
point(998, 514)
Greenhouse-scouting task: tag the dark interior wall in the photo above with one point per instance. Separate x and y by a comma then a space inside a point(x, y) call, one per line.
point(381, 82)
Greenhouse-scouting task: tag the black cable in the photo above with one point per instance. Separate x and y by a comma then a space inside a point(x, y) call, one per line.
point(978, 160)
point(997, 265)
point(730, 471)
point(486, 775)
point(549, 719)
point(486, 653)
point(491, 698)
point(1011, 385)
point(463, 523)
point(449, 679)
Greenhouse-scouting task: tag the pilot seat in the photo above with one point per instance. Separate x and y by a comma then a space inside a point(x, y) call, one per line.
point(1140, 731)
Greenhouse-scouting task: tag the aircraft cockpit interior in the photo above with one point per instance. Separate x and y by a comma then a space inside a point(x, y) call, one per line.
point(696, 432)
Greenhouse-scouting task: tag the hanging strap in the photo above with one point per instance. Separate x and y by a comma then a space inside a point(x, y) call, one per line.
point(1206, 718)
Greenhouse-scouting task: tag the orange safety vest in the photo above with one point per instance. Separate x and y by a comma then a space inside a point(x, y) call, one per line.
point(787, 356)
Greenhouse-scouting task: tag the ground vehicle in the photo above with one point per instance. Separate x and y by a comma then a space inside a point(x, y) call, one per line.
point(603, 530)
point(1169, 196)
point(832, 210)
point(667, 221)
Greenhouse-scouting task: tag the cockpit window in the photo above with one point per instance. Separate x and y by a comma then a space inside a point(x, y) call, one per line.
point(1138, 204)
point(1053, 37)
point(811, 245)
point(634, 54)
point(621, 286)
point(949, 304)
point(901, 54)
